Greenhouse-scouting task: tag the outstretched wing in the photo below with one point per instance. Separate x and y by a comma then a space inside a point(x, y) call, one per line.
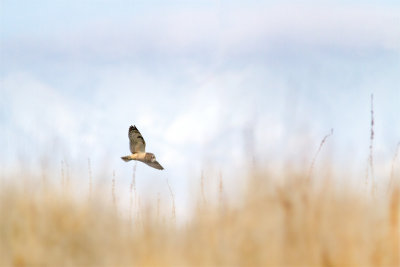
point(155, 164)
point(136, 141)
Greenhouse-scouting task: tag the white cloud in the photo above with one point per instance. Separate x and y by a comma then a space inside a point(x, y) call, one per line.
point(35, 107)
point(194, 126)
point(212, 32)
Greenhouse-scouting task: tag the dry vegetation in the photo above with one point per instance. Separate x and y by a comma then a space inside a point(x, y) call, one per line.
point(295, 221)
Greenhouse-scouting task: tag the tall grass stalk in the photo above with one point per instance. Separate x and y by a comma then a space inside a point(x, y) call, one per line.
point(114, 198)
point(173, 210)
point(220, 189)
point(203, 195)
point(392, 169)
point(132, 193)
point(62, 175)
point(90, 178)
point(317, 153)
point(68, 177)
point(371, 148)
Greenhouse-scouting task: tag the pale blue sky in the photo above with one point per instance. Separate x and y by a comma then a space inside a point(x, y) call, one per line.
point(194, 77)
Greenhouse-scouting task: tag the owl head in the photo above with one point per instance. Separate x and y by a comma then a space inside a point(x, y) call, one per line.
point(150, 157)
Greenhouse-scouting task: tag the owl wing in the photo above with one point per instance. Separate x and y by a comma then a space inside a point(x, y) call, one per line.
point(136, 141)
point(155, 164)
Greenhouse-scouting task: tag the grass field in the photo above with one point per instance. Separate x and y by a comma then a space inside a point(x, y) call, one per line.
point(276, 221)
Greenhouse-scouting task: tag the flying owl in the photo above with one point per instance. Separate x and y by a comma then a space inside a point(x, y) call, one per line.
point(137, 146)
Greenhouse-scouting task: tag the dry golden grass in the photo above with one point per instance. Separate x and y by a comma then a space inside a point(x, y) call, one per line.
point(294, 222)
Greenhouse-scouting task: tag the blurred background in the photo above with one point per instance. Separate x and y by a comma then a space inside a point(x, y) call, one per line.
point(213, 86)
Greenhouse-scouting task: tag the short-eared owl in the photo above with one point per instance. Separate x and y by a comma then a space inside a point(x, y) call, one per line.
point(137, 146)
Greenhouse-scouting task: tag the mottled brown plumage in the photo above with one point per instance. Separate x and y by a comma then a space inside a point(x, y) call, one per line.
point(137, 145)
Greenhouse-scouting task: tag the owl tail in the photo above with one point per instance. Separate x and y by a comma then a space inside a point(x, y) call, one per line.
point(126, 158)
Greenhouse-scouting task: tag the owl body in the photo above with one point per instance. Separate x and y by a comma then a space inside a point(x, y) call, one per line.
point(140, 156)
